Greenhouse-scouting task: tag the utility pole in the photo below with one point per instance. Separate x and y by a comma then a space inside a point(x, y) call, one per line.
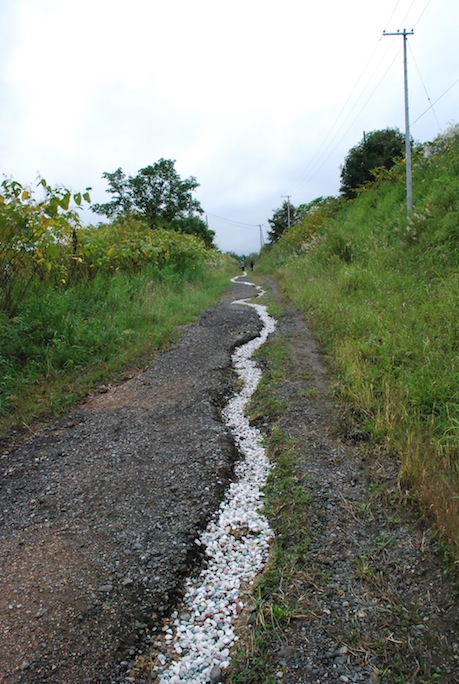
point(262, 242)
point(287, 197)
point(409, 182)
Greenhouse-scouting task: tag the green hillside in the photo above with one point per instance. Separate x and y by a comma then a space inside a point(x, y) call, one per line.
point(381, 291)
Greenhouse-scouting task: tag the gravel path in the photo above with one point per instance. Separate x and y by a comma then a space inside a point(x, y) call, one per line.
point(99, 513)
point(236, 543)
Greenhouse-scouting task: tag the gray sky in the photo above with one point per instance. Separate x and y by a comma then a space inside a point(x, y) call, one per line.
point(257, 99)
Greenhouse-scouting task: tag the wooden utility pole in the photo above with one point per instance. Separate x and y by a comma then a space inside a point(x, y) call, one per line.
point(409, 182)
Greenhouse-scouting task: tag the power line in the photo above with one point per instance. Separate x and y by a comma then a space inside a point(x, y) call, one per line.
point(407, 12)
point(425, 89)
point(393, 12)
point(331, 144)
point(324, 146)
point(324, 159)
point(420, 16)
point(437, 100)
point(326, 149)
point(238, 223)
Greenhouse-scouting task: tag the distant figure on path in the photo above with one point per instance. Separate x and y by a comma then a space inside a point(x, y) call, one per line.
point(251, 265)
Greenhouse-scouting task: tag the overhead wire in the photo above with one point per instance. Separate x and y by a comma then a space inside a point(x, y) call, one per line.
point(358, 113)
point(408, 11)
point(334, 142)
point(331, 144)
point(238, 223)
point(337, 119)
point(437, 100)
point(393, 12)
point(325, 146)
point(422, 14)
point(425, 89)
point(431, 104)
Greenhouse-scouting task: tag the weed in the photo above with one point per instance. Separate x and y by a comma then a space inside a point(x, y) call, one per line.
point(383, 540)
point(365, 570)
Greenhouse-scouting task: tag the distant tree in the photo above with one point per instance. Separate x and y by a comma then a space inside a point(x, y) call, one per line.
point(161, 195)
point(376, 149)
point(280, 220)
point(157, 194)
point(194, 225)
point(120, 190)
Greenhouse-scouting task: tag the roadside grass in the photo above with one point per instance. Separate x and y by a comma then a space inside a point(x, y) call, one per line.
point(382, 293)
point(63, 343)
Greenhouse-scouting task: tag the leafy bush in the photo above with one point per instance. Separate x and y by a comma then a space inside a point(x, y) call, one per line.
point(37, 237)
point(130, 244)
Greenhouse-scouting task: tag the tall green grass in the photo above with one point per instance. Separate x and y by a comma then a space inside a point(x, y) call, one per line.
point(382, 292)
point(62, 342)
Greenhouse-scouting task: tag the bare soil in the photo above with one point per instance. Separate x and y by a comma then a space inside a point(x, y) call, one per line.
point(99, 512)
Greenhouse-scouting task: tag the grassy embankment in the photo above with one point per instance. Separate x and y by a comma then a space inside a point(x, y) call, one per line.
point(75, 318)
point(381, 292)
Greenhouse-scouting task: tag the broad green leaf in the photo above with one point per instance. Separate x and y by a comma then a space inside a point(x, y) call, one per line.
point(65, 201)
point(51, 209)
point(77, 198)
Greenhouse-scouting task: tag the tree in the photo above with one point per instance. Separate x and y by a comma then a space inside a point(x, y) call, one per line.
point(161, 195)
point(280, 221)
point(379, 148)
point(157, 194)
point(120, 190)
point(194, 225)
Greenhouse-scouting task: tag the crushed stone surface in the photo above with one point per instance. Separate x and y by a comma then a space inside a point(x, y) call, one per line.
point(99, 512)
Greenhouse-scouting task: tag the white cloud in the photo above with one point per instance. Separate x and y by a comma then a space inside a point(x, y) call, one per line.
point(257, 99)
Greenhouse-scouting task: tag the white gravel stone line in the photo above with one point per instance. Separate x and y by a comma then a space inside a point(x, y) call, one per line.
point(236, 544)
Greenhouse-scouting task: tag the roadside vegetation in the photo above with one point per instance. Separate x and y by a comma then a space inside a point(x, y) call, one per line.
point(78, 304)
point(381, 291)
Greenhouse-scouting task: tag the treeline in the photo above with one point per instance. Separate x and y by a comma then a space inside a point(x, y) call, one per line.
point(382, 290)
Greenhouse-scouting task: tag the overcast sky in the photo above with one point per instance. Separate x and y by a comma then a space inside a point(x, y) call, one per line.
point(257, 99)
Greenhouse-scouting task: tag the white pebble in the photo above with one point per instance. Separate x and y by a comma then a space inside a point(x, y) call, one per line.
point(212, 600)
